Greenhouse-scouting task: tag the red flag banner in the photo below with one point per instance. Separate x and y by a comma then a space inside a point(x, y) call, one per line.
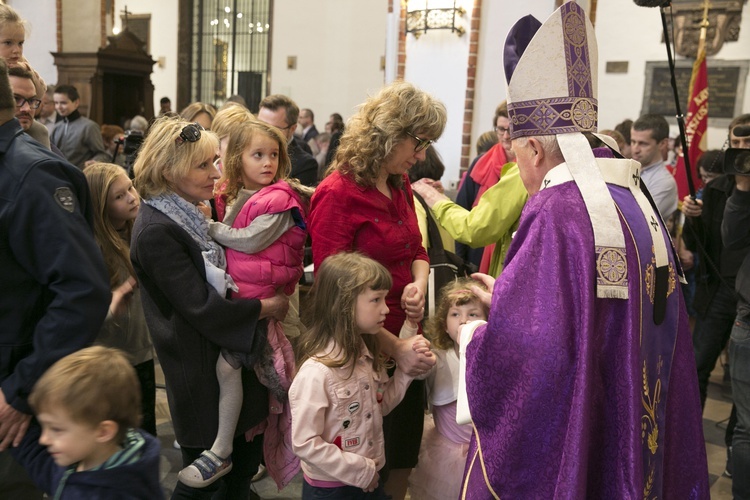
point(696, 124)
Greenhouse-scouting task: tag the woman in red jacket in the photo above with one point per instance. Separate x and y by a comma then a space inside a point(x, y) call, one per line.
point(366, 205)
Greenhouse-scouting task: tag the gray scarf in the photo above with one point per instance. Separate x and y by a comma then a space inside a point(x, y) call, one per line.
point(192, 220)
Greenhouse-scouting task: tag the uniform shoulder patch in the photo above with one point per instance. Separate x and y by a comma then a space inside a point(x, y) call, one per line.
point(64, 197)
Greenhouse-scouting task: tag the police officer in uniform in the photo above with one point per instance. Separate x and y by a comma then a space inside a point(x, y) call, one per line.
point(54, 290)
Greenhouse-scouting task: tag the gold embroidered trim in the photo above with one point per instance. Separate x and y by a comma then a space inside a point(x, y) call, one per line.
point(650, 278)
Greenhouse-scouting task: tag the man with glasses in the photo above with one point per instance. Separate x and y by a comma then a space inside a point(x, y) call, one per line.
point(79, 138)
point(24, 92)
point(281, 112)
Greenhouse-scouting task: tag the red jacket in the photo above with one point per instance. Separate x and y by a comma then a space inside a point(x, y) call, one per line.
point(345, 216)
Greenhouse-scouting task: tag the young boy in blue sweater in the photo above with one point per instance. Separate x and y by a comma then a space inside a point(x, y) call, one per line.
point(88, 445)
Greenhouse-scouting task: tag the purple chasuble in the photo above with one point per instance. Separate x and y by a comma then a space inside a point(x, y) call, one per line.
point(573, 396)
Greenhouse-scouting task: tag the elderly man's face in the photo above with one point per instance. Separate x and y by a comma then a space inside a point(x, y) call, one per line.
point(24, 87)
point(527, 159)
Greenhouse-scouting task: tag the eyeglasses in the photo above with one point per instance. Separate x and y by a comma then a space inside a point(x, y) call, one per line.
point(501, 130)
point(422, 144)
point(190, 133)
point(33, 103)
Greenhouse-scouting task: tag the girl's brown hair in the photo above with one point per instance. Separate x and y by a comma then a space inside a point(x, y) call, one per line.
point(457, 293)
point(239, 140)
point(332, 307)
point(115, 245)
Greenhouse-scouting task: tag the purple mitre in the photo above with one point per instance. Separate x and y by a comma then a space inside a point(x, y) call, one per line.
point(518, 39)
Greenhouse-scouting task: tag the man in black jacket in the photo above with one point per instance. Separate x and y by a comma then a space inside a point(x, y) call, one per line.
point(735, 231)
point(55, 291)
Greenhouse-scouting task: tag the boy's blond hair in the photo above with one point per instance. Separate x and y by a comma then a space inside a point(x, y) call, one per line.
point(93, 385)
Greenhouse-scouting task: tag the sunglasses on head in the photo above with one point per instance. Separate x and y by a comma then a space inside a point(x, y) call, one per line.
point(190, 133)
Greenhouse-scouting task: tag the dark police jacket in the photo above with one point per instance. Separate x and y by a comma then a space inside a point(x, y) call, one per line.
point(54, 289)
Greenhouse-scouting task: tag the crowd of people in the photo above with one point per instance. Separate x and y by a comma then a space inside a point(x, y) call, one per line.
point(563, 369)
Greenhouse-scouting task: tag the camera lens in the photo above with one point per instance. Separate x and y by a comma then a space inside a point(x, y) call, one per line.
point(742, 163)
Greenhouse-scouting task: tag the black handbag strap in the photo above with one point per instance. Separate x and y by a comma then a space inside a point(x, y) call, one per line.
point(433, 233)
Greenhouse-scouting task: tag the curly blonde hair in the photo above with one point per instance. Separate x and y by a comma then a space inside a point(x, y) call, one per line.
point(382, 123)
point(457, 293)
point(240, 139)
point(332, 304)
point(162, 156)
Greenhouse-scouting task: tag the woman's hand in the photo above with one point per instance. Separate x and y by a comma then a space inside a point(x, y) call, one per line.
point(413, 356)
point(485, 296)
point(205, 209)
point(412, 301)
point(430, 191)
point(121, 297)
point(275, 307)
point(421, 345)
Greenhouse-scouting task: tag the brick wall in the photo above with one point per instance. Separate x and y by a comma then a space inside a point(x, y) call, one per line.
point(471, 69)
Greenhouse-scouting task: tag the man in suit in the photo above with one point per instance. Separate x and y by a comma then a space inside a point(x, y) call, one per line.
point(306, 122)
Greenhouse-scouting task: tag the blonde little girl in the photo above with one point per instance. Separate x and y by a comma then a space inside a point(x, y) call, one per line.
point(12, 39)
point(342, 391)
point(115, 205)
point(442, 456)
point(264, 230)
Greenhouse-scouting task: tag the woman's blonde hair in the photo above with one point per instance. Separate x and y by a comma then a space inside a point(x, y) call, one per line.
point(239, 140)
point(115, 246)
point(163, 154)
point(332, 305)
point(457, 293)
point(381, 123)
point(229, 117)
point(192, 110)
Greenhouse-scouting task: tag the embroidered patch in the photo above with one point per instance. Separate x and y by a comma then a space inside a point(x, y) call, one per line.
point(353, 407)
point(64, 197)
point(346, 423)
point(351, 442)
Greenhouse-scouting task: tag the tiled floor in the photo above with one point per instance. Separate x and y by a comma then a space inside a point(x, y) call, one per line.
point(716, 413)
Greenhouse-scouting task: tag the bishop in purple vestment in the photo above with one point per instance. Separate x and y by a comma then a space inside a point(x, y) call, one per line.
point(582, 383)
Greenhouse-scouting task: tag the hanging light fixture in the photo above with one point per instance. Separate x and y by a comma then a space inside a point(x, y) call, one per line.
point(432, 17)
